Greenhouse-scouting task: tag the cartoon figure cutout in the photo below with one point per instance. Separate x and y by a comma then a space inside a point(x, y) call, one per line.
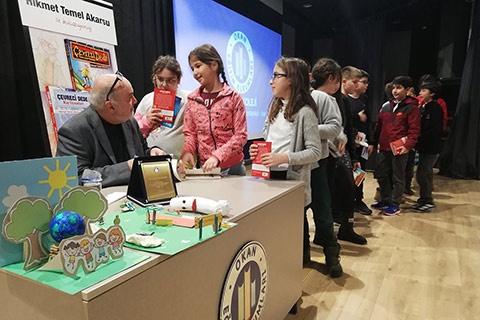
point(91, 251)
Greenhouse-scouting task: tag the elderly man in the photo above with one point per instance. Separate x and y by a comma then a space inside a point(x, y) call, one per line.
point(105, 137)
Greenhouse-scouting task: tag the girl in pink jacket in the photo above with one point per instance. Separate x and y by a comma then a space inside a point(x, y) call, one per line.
point(215, 124)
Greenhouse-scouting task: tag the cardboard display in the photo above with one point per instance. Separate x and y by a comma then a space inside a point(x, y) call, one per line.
point(27, 221)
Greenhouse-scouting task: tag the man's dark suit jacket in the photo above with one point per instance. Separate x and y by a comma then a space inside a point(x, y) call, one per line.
point(84, 136)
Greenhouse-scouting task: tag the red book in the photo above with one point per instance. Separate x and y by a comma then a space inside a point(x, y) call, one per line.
point(395, 145)
point(258, 169)
point(164, 100)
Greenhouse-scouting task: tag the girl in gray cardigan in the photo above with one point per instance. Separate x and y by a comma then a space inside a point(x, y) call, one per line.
point(291, 126)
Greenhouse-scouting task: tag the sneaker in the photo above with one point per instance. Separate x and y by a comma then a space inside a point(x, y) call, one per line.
point(391, 210)
point(362, 208)
point(380, 205)
point(422, 207)
point(408, 191)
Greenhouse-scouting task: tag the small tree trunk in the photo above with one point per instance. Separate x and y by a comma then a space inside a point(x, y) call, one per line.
point(36, 252)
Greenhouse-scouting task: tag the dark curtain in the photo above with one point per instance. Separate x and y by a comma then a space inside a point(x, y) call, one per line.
point(460, 157)
point(361, 45)
point(23, 125)
point(144, 31)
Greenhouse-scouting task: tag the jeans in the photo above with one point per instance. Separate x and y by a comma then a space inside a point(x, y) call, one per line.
point(235, 170)
point(390, 174)
point(425, 177)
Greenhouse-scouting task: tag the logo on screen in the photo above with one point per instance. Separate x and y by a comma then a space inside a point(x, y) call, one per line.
point(240, 63)
point(245, 288)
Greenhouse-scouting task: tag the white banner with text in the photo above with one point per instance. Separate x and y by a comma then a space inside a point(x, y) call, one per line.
point(77, 18)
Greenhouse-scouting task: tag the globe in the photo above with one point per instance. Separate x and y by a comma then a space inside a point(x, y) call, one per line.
point(65, 225)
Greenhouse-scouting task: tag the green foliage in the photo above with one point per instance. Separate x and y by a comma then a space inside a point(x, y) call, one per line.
point(28, 216)
point(88, 204)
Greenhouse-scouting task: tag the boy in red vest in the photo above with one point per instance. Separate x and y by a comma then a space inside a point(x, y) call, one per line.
point(398, 119)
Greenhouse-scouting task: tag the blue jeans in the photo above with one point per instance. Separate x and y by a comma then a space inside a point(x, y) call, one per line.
point(235, 170)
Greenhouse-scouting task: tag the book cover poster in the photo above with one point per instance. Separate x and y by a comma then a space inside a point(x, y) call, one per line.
point(46, 177)
point(64, 104)
point(51, 65)
point(86, 62)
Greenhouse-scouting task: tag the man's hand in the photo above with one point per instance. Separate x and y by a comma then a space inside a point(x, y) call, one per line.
point(155, 151)
point(274, 159)
point(210, 164)
point(130, 164)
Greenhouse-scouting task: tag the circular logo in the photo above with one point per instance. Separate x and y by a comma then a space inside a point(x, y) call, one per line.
point(245, 287)
point(240, 64)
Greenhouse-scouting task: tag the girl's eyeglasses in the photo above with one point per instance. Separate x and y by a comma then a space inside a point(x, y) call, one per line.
point(166, 80)
point(277, 75)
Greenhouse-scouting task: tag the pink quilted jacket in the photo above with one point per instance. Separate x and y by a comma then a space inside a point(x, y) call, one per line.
point(220, 130)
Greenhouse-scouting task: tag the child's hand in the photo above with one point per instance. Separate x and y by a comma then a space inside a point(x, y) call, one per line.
point(253, 150)
point(362, 116)
point(357, 165)
point(370, 149)
point(186, 162)
point(153, 116)
point(402, 150)
point(210, 164)
point(274, 159)
point(341, 146)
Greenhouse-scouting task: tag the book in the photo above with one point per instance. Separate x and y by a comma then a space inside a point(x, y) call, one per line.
point(175, 112)
point(395, 145)
point(198, 174)
point(258, 169)
point(359, 176)
point(86, 62)
point(64, 103)
point(164, 100)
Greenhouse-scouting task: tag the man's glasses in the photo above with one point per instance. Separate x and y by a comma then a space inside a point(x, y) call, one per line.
point(118, 78)
point(166, 80)
point(277, 75)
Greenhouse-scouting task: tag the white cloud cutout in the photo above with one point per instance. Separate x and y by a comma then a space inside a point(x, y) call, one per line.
point(14, 193)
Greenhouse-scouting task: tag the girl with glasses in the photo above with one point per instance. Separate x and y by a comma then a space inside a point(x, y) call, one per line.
point(291, 126)
point(166, 74)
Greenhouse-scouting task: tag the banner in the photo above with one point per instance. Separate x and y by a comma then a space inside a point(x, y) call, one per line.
point(76, 18)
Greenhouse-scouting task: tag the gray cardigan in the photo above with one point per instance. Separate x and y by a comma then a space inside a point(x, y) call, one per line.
point(329, 120)
point(304, 147)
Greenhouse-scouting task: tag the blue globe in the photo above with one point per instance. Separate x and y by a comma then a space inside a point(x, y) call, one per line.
point(65, 225)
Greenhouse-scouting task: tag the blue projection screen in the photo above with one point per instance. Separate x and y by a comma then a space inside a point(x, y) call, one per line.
point(248, 50)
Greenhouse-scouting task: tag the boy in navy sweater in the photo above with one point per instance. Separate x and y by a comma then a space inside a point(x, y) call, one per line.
point(398, 119)
point(429, 144)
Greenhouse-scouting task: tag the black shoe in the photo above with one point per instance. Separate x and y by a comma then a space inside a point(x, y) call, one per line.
point(332, 258)
point(318, 242)
point(346, 233)
point(408, 191)
point(362, 208)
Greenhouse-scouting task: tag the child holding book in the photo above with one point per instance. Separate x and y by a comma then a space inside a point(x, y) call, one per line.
point(429, 144)
point(166, 74)
point(215, 124)
point(291, 126)
point(398, 119)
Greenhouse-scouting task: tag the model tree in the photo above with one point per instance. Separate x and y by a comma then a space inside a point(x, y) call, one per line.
point(26, 221)
point(87, 202)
